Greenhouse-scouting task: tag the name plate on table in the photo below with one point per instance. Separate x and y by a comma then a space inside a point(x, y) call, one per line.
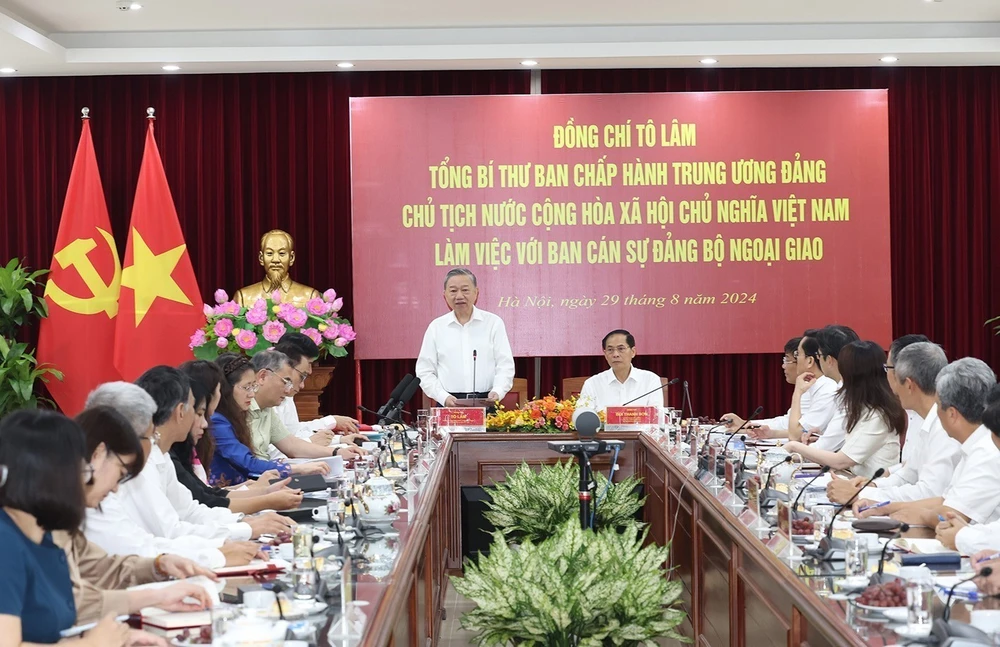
point(753, 494)
point(784, 519)
point(457, 420)
point(713, 459)
point(730, 472)
point(631, 419)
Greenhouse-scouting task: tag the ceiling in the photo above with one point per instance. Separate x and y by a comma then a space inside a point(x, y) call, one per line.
point(80, 37)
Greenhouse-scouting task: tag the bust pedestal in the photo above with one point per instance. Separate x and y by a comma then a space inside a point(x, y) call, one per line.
point(307, 400)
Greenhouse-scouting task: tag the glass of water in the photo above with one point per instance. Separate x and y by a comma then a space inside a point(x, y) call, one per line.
point(919, 601)
point(336, 509)
point(856, 558)
point(304, 579)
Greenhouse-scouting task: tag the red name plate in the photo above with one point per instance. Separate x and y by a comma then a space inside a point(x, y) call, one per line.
point(458, 420)
point(730, 472)
point(784, 519)
point(631, 418)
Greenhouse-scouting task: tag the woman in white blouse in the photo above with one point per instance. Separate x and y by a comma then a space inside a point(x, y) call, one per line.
point(875, 419)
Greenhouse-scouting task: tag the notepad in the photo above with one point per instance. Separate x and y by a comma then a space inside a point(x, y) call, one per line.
point(256, 566)
point(168, 621)
point(922, 546)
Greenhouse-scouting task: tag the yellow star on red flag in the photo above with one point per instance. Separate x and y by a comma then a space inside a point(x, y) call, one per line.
point(150, 276)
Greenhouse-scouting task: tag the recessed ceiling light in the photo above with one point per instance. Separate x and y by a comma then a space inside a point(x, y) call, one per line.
point(7, 70)
point(135, 6)
point(345, 65)
point(889, 59)
point(529, 63)
point(708, 61)
point(171, 68)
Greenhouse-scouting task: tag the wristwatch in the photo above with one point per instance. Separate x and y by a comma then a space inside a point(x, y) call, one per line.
point(335, 450)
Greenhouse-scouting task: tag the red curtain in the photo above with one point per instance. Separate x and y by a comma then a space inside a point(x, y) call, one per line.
point(249, 152)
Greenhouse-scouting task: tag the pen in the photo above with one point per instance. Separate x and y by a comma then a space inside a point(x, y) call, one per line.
point(872, 507)
point(80, 629)
point(989, 558)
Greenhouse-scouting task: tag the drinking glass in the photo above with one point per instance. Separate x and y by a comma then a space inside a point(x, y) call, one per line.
point(822, 518)
point(919, 602)
point(336, 509)
point(302, 540)
point(422, 416)
point(224, 619)
point(362, 470)
point(304, 579)
point(856, 558)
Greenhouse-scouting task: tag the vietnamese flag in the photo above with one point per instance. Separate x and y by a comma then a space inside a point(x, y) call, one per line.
point(78, 336)
point(160, 304)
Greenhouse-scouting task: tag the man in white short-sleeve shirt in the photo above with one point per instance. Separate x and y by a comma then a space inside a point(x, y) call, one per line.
point(929, 464)
point(465, 353)
point(973, 493)
point(622, 383)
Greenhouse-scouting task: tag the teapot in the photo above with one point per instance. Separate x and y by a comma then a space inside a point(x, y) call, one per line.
point(379, 502)
point(784, 470)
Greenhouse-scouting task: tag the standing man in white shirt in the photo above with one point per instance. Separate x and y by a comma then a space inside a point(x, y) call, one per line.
point(622, 382)
point(933, 454)
point(973, 494)
point(465, 353)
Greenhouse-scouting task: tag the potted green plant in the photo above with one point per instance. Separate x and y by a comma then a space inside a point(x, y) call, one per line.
point(19, 370)
point(575, 589)
point(532, 504)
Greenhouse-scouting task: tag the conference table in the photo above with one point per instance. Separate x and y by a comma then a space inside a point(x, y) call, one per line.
point(736, 591)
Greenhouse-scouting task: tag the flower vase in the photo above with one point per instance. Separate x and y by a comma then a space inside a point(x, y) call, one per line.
point(307, 400)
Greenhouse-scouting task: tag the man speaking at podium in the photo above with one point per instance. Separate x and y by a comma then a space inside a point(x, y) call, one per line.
point(622, 382)
point(465, 354)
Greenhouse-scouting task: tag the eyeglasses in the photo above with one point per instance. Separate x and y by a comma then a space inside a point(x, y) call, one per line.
point(621, 350)
point(302, 375)
point(289, 385)
point(251, 388)
point(125, 467)
point(785, 361)
point(886, 367)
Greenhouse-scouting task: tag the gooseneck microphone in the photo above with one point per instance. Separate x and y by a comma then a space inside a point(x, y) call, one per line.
point(767, 481)
point(475, 354)
point(826, 550)
point(687, 398)
point(408, 393)
point(986, 571)
point(877, 576)
point(396, 393)
point(659, 388)
point(795, 505)
point(756, 412)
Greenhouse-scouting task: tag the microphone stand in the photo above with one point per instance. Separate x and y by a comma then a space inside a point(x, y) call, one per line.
point(687, 398)
point(766, 492)
point(877, 577)
point(944, 629)
point(659, 388)
point(828, 545)
point(795, 505)
point(474, 354)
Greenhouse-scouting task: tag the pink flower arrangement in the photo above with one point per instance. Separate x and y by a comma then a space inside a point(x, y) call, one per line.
point(273, 330)
point(246, 339)
point(250, 330)
point(223, 327)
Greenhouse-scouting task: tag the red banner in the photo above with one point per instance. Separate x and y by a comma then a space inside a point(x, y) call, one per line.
point(701, 222)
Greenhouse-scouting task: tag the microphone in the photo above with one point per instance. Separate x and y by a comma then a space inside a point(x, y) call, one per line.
point(474, 354)
point(756, 412)
point(985, 572)
point(826, 549)
point(376, 413)
point(687, 398)
point(408, 393)
point(394, 396)
point(659, 388)
point(795, 505)
point(766, 492)
point(877, 577)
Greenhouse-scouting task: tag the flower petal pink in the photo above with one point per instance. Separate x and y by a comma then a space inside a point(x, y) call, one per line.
point(347, 332)
point(313, 334)
point(332, 330)
point(256, 316)
point(340, 341)
point(276, 296)
point(208, 310)
point(337, 304)
point(223, 327)
point(317, 306)
point(221, 342)
point(246, 339)
point(297, 318)
point(330, 295)
point(273, 330)
point(197, 339)
point(221, 296)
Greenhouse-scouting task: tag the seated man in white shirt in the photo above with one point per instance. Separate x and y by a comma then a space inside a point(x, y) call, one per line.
point(789, 367)
point(933, 454)
point(465, 353)
point(974, 491)
point(153, 513)
point(813, 401)
point(302, 352)
point(622, 383)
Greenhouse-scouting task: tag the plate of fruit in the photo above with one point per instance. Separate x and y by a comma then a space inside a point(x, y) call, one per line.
point(190, 637)
point(802, 529)
point(880, 597)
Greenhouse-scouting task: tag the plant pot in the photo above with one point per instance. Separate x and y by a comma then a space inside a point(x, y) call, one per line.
point(307, 400)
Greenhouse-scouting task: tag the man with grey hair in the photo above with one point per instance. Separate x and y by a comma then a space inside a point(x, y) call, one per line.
point(465, 353)
point(974, 491)
point(118, 529)
point(274, 375)
point(933, 454)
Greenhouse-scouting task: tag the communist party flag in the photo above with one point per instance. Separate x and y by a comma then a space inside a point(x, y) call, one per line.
point(160, 304)
point(82, 291)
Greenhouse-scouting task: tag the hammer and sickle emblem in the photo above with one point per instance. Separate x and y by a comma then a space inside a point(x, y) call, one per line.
point(104, 296)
